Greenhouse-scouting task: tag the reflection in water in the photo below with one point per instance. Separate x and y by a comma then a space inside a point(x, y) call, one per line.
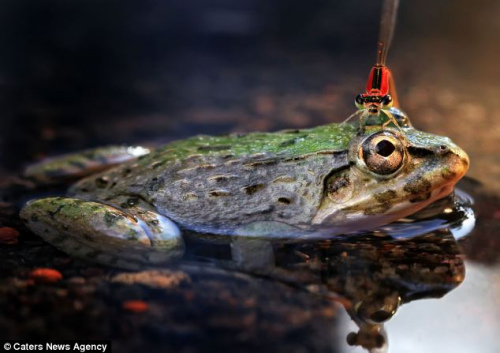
point(381, 276)
point(370, 274)
point(466, 321)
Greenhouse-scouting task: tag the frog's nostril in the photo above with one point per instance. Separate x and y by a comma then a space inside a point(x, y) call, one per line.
point(443, 149)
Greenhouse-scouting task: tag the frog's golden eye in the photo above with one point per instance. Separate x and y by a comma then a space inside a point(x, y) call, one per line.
point(383, 153)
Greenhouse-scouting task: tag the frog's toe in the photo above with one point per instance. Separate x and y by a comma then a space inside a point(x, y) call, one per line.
point(103, 233)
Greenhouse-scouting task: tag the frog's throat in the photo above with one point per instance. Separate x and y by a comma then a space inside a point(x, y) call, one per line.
point(345, 221)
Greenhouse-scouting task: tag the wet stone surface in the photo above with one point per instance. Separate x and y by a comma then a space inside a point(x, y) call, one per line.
point(204, 309)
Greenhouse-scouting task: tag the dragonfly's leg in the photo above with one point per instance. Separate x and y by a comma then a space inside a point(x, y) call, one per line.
point(362, 123)
point(355, 114)
point(391, 119)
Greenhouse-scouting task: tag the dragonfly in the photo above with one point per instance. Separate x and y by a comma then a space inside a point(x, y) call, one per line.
point(378, 102)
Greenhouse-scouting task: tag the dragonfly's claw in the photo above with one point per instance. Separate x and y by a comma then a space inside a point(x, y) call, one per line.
point(391, 119)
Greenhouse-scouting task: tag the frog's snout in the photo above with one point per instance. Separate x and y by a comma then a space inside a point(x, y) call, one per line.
point(458, 163)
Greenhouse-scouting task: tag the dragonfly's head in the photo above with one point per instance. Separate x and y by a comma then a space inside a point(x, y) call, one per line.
point(373, 102)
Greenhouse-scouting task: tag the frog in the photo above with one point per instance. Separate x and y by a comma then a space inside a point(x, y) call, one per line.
point(330, 179)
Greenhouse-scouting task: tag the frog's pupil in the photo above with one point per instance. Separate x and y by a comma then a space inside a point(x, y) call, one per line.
point(384, 148)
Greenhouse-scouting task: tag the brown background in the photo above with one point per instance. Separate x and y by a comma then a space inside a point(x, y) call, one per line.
point(75, 74)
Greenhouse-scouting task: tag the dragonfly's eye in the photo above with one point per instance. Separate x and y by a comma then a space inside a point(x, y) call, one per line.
point(387, 101)
point(359, 101)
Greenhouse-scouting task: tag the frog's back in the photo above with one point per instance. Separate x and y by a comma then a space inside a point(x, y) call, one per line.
point(221, 182)
point(285, 143)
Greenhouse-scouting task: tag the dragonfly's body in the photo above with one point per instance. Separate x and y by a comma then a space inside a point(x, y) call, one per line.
point(375, 104)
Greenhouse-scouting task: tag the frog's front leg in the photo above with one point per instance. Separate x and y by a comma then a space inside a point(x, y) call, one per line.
point(104, 233)
point(251, 246)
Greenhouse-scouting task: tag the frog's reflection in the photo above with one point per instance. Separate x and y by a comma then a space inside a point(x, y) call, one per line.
point(381, 276)
point(370, 274)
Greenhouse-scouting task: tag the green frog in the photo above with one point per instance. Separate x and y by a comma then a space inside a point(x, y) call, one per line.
point(329, 179)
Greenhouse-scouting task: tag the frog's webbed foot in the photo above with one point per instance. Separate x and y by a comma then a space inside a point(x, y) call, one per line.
point(80, 164)
point(104, 233)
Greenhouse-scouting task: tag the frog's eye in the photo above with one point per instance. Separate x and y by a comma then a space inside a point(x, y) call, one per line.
point(359, 101)
point(383, 153)
point(387, 101)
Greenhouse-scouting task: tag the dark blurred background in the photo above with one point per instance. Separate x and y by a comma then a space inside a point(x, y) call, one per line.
point(82, 73)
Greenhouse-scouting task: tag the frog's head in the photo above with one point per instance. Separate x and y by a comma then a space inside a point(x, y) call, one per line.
point(390, 174)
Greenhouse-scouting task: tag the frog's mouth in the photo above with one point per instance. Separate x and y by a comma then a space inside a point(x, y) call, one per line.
point(361, 220)
point(346, 221)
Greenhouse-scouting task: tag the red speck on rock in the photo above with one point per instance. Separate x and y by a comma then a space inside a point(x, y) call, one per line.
point(8, 236)
point(45, 275)
point(136, 306)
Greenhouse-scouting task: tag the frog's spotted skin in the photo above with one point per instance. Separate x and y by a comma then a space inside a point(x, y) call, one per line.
point(329, 177)
point(211, 173)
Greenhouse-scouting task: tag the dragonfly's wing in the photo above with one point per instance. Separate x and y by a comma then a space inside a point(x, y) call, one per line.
point(393, 91)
